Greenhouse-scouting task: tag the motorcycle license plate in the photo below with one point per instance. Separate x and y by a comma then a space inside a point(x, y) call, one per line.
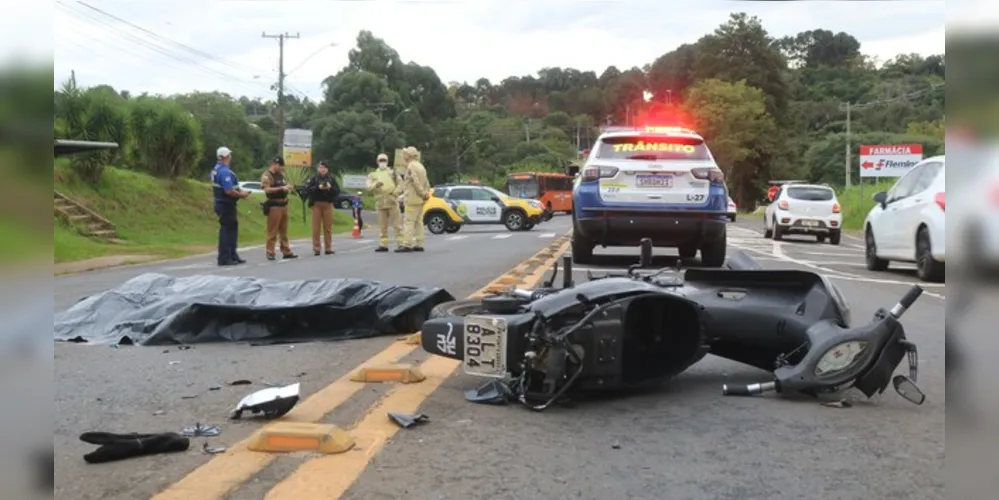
point(485, 346)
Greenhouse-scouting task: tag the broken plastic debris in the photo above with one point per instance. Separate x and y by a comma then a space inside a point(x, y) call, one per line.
point(175, 362)
point(240, 382)
point(406, 420)
point(215, 388)
point(158, 412)
point(271, 402)
point(493, 392)
point(201, 430)
point(212, 450)
point(838, 404)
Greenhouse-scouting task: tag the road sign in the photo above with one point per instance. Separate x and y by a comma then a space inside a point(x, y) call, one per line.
point(891, 160)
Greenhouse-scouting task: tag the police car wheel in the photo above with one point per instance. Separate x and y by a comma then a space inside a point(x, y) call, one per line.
point(513, 220)
point(436, 224)
point(582, 251)
point(713, 252)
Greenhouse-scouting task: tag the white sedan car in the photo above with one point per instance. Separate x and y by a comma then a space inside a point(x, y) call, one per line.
point(253, 187)
point(809, 209)
point(732, 209)
point(907, 223)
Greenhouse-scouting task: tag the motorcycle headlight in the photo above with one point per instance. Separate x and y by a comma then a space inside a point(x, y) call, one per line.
point(837, 297)
point(841, 357)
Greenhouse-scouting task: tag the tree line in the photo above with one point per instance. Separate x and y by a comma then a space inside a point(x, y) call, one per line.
point(768, 107)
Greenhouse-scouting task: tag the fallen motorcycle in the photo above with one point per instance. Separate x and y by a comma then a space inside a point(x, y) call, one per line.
point(616, 332)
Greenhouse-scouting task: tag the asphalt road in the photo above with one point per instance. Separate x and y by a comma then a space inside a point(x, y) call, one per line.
point(683, 441)
point(686, 440)
point(150, 390)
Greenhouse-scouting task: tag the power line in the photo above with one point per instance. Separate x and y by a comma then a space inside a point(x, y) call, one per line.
point(133, 40)
point(192, 50)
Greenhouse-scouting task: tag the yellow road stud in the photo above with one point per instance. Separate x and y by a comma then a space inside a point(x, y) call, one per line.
point(404, 373)
point(286, 437)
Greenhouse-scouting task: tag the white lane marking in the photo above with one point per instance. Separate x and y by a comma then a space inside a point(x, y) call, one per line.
point(456, 237)
point(501, 236)
point(833, 254)
point(895, 282)
point(546, 235)
point(778, 252)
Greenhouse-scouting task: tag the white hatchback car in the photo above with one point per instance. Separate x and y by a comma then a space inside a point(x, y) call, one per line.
point(809, 209)
point(907, 223)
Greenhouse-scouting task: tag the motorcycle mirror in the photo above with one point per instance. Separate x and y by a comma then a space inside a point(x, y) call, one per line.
point(645, 258)
point(906, 388)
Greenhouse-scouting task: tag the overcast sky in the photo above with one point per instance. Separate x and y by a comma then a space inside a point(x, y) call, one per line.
point(461, 40)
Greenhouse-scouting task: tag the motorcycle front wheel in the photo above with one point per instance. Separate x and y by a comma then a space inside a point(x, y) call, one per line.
point(458, 308)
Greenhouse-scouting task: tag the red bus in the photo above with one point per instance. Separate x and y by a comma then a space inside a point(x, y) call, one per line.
point(553, 190)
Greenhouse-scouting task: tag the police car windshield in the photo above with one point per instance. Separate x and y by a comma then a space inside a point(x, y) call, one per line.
point(810, 193)
point(652, 147)
point(495, 192)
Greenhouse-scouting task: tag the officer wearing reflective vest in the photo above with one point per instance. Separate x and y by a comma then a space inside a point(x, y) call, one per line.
point(276, 208)
point(322, 189)
point(226, 192)
point(386, 185)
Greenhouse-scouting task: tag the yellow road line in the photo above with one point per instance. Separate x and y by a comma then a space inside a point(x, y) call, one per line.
point(225, 472)
point(330, 476)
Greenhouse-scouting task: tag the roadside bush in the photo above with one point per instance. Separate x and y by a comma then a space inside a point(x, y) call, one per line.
point(166, 138)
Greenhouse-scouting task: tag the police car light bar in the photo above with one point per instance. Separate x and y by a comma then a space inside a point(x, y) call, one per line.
point(779, 183)
point(648, 129)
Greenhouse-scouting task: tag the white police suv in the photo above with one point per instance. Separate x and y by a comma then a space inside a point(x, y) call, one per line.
point(660, 183)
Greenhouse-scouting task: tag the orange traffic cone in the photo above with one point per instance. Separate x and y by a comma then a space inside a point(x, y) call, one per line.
point(357, 230)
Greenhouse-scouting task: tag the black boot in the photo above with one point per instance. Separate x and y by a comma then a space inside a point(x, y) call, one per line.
point(403, 250)
point(381, 249)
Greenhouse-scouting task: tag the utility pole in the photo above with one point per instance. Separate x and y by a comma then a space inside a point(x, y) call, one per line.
point(280, 102)
point(846, 162)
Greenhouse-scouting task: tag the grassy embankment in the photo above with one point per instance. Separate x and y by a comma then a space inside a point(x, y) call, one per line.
point(854, 206)
point(164, 218)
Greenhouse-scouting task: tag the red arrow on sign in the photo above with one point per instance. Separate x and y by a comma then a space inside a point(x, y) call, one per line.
point(867, 164)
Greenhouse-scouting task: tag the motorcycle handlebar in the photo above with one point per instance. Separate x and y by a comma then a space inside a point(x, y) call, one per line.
point(748, 389)
point(906, 301)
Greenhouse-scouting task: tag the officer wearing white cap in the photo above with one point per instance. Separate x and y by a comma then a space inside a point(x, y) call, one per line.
point(225, 190)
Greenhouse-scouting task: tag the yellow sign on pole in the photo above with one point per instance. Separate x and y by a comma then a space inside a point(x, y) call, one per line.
point(297, 156)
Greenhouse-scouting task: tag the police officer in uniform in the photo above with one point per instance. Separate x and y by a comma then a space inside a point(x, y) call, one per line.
point(276, 208)
point(226, 192)
point(416, 189)
point(322, 189)
point(386, 185)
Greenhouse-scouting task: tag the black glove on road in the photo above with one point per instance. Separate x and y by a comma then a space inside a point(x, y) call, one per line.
point(121, 446)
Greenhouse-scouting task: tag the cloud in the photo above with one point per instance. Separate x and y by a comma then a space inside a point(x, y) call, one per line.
point(461, 40)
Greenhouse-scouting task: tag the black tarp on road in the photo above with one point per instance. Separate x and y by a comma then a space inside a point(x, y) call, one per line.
point(156, 309)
